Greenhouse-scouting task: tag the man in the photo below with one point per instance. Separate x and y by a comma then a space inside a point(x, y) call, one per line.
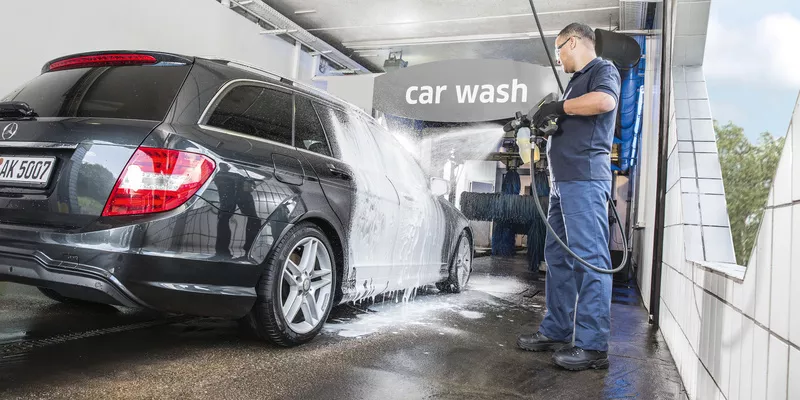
point(579, 299)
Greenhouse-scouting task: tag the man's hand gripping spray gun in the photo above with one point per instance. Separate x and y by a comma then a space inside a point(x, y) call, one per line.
point(525, 132)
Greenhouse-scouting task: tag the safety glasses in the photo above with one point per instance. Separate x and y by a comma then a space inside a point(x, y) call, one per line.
point(558, 48)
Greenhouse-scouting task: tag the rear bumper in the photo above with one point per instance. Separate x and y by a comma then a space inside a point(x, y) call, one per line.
point(173, 264)
point(95, 284)
point(72, 280)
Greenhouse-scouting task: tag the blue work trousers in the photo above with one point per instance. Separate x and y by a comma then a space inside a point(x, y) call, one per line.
point(578, 298)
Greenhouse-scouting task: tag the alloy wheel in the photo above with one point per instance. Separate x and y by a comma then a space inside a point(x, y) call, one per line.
point(306, 285)
point(463, 262)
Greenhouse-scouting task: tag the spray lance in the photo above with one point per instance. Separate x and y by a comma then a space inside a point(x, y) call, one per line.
point(530, 139)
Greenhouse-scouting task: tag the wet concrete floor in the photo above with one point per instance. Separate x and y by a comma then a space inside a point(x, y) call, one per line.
point(435, 347)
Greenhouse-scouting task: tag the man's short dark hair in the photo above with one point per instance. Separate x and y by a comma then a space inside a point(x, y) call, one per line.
point(578, 29)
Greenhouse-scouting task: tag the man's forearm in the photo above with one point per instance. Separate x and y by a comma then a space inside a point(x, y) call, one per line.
point(593, 103)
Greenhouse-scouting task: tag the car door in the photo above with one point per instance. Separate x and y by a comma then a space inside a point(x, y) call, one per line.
point(322, 155)
point(422, 230)
point(261, 178)
point(374, 213)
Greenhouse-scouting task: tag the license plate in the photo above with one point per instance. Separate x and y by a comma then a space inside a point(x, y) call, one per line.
point(26, 171)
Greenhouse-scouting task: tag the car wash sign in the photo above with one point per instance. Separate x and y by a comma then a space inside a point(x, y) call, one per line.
point(462, 90)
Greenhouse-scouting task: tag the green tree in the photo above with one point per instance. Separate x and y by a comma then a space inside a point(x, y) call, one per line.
point(747, 172)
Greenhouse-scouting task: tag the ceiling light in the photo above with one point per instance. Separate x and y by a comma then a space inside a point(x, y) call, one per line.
point(369, 55)
point(395, 61)
point(245, 2)
point(316, 53)
point(298, 12)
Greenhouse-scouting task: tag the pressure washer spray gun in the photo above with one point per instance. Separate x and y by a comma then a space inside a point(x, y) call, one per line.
point(529, 137)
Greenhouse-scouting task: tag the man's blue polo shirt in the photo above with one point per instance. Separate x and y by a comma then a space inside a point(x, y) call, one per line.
point(581, 150)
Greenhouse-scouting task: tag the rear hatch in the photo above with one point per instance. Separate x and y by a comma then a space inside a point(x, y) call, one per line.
point(66, 136)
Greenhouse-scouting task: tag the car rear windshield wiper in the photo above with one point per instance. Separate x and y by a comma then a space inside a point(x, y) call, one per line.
point(15, 110)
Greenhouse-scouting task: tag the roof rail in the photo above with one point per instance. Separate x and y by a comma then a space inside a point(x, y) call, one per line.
point(251, 68)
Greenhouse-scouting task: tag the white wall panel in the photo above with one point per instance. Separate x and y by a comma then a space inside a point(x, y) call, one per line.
point(781, 281)
point(719, 244)
point(735, 342)
point(687, 165)
point(691, 209)
point(794, 374)
point(191, 27)
point(778, 367)
point(782, 187)
point(714, 209)
point(794, 272)
point(746, 374)
point(794, 132)
point(693, 242)
point(711, 186)
point(684, 127)
point(764, 269)
point(700, 109)
point(760, 362)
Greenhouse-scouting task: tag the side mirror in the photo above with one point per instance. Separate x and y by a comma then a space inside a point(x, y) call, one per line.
point(439, 187)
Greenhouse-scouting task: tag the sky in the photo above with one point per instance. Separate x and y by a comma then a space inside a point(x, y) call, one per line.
point(752, 63)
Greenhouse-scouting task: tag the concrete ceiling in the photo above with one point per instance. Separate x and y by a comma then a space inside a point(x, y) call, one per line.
point(426, 31)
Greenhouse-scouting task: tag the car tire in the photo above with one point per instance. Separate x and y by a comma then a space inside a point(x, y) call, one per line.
point(271, 316)
point(55, 296)
point(460, 265)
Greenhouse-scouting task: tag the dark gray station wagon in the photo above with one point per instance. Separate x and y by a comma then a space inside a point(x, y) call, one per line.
point(211, 188)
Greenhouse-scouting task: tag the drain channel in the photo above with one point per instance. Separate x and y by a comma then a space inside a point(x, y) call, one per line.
point(13, 349)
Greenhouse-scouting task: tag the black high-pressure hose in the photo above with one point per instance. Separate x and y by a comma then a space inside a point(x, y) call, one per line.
point(575, 256)
point(539, 206)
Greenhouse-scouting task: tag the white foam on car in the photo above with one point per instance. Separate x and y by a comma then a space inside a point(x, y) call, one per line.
point(397, 229)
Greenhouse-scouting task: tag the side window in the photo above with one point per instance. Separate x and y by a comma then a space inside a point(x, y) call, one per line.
point(309, 134)
point(256, 111)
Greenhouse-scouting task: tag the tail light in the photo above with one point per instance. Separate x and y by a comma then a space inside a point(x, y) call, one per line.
point(102, 60)
point(158, 180)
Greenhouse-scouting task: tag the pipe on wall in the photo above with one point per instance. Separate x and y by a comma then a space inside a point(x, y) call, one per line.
point(669, 22)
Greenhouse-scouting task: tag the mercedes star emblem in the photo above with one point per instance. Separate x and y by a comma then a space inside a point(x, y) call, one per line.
point(10, 130)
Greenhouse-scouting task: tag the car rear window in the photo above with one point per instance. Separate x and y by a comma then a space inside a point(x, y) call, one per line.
point(125, 92)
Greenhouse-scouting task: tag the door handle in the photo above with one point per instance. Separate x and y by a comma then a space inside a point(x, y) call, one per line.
point(338, 172)
point(407, 197)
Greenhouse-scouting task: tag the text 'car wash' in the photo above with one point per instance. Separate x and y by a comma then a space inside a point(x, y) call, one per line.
point(470, 93)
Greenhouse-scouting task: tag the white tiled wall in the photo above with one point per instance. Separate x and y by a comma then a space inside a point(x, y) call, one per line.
point(732, 337)
point(696, 165)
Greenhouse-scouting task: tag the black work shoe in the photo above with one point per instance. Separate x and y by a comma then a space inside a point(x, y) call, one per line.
point(539, 342)
point(578, 359)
